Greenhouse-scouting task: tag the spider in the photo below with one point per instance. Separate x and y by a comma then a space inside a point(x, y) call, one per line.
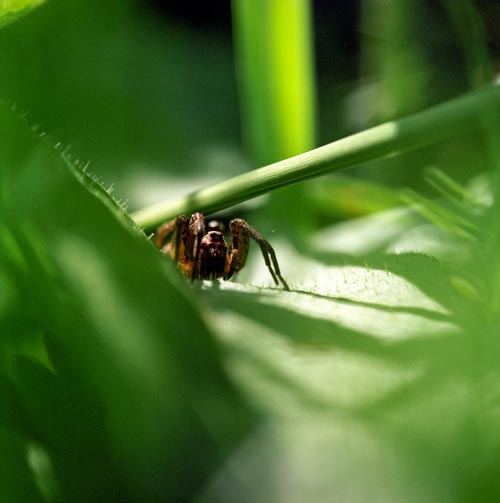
point(205, 255)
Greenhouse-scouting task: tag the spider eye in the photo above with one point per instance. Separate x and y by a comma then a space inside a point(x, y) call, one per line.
point(213, 225)
point(216, 236)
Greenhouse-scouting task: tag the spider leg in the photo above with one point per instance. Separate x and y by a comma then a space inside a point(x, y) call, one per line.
point(241, 231)
point(177, 228)
point(163, 232)
point(180, 237)
point(196, 231)
point(231, 263)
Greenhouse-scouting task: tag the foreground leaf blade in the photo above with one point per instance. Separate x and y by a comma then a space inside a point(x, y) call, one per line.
point(135, 380)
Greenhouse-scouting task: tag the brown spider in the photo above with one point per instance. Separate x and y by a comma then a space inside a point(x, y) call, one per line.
point(205, 255)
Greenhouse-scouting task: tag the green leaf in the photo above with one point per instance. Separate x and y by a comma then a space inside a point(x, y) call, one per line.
point(135, 381)
point(370, 361)
point(16, 481)
point(332, 362)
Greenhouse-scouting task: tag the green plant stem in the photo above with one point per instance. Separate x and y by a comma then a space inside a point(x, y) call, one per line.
point(275, 69)
point(465, 113)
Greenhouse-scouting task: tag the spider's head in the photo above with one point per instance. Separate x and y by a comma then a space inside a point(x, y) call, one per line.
point(213, 255)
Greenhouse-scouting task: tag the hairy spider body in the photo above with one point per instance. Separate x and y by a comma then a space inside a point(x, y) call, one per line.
point(206, 255)
point(213, 256)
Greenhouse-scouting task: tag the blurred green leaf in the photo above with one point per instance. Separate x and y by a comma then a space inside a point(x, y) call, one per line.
point(10, 10)
point(139, 83)
point(16, 482)
point(139, 405)
point(415, 55)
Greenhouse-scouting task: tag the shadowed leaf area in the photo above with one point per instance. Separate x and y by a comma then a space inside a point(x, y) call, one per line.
point(120, 383)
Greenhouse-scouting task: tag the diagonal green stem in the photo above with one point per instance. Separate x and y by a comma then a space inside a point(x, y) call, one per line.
point(465, 113)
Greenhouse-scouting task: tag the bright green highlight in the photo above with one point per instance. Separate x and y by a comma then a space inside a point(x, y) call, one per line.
point(10, 10)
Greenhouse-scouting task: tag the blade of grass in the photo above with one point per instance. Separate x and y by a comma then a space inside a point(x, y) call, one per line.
point(440, 216)
point(450, 190)
point(465, 113)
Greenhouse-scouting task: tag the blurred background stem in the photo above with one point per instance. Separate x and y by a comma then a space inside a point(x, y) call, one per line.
point(273, 46)
point(275, 71)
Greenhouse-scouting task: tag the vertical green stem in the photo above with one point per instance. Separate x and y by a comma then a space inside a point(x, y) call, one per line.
point(273, 45)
